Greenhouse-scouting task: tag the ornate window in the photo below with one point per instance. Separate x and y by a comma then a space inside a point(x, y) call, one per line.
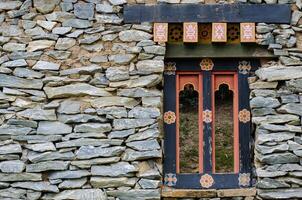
point(207, 123)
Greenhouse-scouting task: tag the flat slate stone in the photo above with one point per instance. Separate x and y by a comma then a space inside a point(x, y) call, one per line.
point(69, 174)
point(87, 152)
point(44, 65)
point(114, 101)
point(15, 82)
point(38, 114)
point(20, 177)
point(279, 158)
point(93, 127)
point(91, 69)
point(77, 23)
point(47, 166)
point(72, 184)
point(88, 141)
point(84, 10)
point(10, 5)
point(146, 145)
point(15, 63)
point(80, 194)
point(135, 194)
point(120, 124)
point(109, 182)
point(131, 155)
point(86, 164)
point(278, 73)
point(113, 170)
point(10, 148)
point(77, 89)
point(37, 186)
point(281, 194)
point(45, 6)
point(46, 156)
point(12, 166)
point(41, 147)
point(48, 128)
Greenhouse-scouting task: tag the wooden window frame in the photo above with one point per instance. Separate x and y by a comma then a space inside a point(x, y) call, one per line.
point(241, 178)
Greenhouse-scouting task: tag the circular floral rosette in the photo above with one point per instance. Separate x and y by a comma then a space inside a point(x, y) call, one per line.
point(244, 179)
point(206, 181)
point(206, 64)
point(207, 116)
point(244, 67)
point(170, 179)
point(170, 68)
point(244, 116)
point(169, 117)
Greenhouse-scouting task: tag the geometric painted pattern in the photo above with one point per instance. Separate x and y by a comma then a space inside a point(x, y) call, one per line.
point(244, 67)
point(206, 64)
point(244, 179)
point(244, 116)
point(170, 179)
point(169, 117)
point(206, 181)
point(207, 116)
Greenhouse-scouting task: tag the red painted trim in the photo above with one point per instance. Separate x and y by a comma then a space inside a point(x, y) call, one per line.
point(194, 78)
point(230, 78)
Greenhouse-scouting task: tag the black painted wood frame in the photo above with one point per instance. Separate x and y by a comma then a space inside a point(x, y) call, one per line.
point(232, 13)
point(207, 179)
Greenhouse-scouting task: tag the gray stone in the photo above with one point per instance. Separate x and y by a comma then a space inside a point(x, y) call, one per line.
point(139, 92)
point(37, 138)
point(88, 141)
point(86, 164)
point(117, 74)
point(289, 98)
point(84, 10)
point(87, 152)
point(80, 118)
point(10, 148)
point(108, 19)
point(70, 106)
point(77, 23)
point(113, 112)
point(41, 147)
point(65, 43)
point(11, 46)
point(72, 184)
point(144, 145)
point(150, 66)
point(279, 158)
point(25, 55)
point(263, 111)
point(108, 182)
point(89, 39)
point(99, 59)
point(279, 73)
point(27, 73)
point(157, 50)
point(46, 166)
point(11, 31)
point(39, 45)
point(294, 85)
point(134, 36)
point(46, 24)
point(121, 58)
point(275, 119)
point(121, 134)
point(45, 6)
point(12, 193)
point(288, 61)
point(61, 30)
point(104, 8)
point(91, 69)
point(141, 112)
point(12, 166)
point(14, 130)
point(268, 102)
point(38, 114)
point(77, 89)
point(26, 123)
point(274, 137)
point(37, 186)
point(113, 170)
point(268, 183)
point(281, 194)
point(10, 5)
point(66, 6)
point(114, 101)
point(143, 135)
point(292, 108)
point(272, 149)
point(120, 124)
point(294, 145)
point(296, 17)
point(58, 55)
point(44, 65)
point(149, 184)
point(142, 81)
point(39, 157)
point(48, 128)
point(135, 194)
point(117, 2)
point(131, 155)
point(59, 16)
point(80, 194)
point(20, 177)
point(15, 82)
point(92, 127)
point(69, 174)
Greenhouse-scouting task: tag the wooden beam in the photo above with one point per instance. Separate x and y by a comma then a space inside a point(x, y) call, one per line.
point(217, 51)
point(236, 13)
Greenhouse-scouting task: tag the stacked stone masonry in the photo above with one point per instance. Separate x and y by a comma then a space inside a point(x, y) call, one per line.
point(81, 103)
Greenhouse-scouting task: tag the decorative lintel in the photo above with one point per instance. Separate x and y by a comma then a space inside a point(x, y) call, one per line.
point(229, 13)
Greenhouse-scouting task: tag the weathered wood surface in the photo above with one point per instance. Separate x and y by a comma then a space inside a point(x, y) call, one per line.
point(236, 13)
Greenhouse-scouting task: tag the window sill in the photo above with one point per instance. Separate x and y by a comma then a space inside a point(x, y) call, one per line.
point(193, 193)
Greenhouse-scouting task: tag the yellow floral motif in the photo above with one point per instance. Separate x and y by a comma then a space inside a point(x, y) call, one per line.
point(207, 116)
point(206, 181)
point(244, 116)
point(169, 117)
point(206, 64)
point(244, 179)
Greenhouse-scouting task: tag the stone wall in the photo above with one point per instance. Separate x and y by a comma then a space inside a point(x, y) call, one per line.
point(80, 102)
point(81, 97)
